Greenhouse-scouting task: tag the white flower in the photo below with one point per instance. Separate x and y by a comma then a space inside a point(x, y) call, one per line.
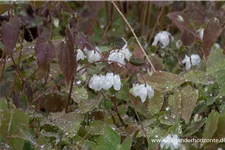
point(93, 55)
point(142, 91)
point(108, 81)
point(56, 22)
point(80, 55)
point(201, 33)
point(96, 82)
point(126, 51)
point(195, 60)
point(105, 82)
point(164, 38)
point(117, 82)
point(172, 141)
point(119, 55)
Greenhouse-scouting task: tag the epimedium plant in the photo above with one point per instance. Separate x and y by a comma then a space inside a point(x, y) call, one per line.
point(64, 87)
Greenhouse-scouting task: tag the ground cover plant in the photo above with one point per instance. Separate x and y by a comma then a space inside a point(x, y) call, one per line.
point(112, 75)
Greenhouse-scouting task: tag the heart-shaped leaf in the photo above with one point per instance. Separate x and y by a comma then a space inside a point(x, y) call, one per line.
point(189, 99)
point(211, 33)
point(45, 51)
point(9, 33)
point(162, 81)
point(66, 55)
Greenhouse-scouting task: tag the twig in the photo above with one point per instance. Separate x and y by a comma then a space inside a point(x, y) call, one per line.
point(139, 120)
point(117, 112)
point(17, 70)
point(132, 30)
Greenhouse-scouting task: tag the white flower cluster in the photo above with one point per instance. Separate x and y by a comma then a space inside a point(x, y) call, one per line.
point(195, 60)
point(98, 82)
point(93, 55)
point(171, 141)
point(142, 90)
point(164, 38)
point(119, 55)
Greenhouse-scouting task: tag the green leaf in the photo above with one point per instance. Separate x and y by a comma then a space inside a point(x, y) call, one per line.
point(155, 104)
point(215, 66)
point(162, 81)
point(198, 77)
point(153, 134)
point(215, 62)
point(193, 128)
point(189, 99)
point(126, 145)
point(95, 127)
point(5, 106)
point(220, 132)
point(14, 124)
point(69, 123)
point(167, 120)
point(211, 125)
point(174, 104)
point(110, 140)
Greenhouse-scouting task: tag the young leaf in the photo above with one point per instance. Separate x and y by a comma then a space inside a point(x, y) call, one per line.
point(174, 103)
point(162, 81)
point(9, 34)
point(211, 33)
point(189, 99)
point(66, 55)
point(155, 104)
point(45, 51)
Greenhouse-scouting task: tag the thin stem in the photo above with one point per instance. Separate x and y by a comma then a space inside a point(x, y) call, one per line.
point(117, 112)
point(69, 94)
point(139, 120)
point(132, 30)
point(17, 70)
point(3, 61)
point(88, 65)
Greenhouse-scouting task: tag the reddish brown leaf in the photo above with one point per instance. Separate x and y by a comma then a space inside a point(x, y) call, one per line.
point(179, 19)
point(211, 33)
point(66, 55)
point(9, 32)
point(82, 42)
point(187, 37)
point(45, 51)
